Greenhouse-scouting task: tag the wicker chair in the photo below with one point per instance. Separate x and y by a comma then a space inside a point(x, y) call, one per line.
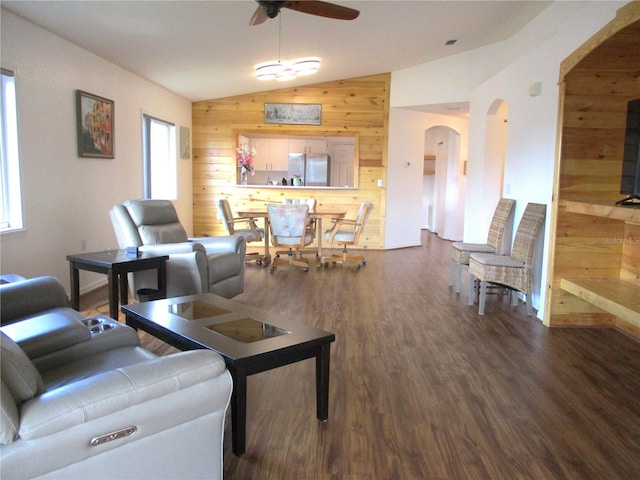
point(514, 271)
point(498, 241)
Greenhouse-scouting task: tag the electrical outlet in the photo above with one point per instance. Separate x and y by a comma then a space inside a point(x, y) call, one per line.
point(380, 182)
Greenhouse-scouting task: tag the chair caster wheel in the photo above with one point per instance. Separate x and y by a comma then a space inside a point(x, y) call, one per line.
point(272, 269)
point(306, 270)
point(258, 262)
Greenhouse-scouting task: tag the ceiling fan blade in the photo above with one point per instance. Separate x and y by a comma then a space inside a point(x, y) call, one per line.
point(323, 9)
point(259, 16)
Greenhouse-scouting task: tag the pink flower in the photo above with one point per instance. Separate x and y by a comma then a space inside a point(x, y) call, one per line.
point(244, 157)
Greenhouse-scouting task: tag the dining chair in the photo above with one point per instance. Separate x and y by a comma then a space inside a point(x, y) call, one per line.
point(311, 222)
point(512, 271)
point(288, 227)
point(347, 232)
point(248, 229)
point(498, 240)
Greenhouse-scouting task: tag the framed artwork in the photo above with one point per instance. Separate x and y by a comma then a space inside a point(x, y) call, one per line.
point(95, 125)
point(185, 143)
point(293, 113)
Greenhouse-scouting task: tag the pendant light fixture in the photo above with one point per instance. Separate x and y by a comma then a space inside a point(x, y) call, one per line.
point(282, 70)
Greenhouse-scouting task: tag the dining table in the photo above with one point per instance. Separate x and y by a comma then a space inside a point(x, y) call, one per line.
point(317, 216)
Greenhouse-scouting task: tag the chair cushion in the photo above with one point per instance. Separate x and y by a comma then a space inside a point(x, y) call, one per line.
point(17, 371)
point(224, 265)
point(157, 221)
point(497, 260)
point(341, 236)
point(92, 365)
point(460, 252)
point(9, 417)
point(161, 234)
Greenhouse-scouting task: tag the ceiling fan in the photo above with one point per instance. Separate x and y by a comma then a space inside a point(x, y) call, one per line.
point(271, 9)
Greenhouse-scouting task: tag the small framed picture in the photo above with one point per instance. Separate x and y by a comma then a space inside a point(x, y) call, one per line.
point(185, 143)
point(95, 126)
point(293, 113)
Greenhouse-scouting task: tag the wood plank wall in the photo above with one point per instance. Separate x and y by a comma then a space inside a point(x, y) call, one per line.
point(357, 107)
point(597, 82)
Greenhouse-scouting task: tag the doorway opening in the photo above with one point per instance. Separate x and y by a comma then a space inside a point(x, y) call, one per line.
point(443, 188)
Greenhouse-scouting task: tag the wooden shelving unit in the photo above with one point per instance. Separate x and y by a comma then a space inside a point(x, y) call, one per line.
point(429, 165)
point(626, 214)
point(594, 261)
point(618, 297)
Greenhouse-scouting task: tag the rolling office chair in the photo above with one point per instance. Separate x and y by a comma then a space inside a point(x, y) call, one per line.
point(288, 226)
point(347, 232)
point(249, 230)
point(311, 222)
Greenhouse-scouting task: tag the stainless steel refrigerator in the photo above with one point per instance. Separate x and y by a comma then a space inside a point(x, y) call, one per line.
point(312, 168)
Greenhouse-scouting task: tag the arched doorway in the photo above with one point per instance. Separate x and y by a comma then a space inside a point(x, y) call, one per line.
point(443, 183)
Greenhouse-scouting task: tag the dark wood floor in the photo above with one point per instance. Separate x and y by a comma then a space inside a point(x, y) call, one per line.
point(422, 387)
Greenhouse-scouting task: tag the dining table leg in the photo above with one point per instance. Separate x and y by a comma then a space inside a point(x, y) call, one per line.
point(266, 260)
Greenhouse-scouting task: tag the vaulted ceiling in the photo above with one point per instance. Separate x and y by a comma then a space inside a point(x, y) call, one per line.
point(207, 49)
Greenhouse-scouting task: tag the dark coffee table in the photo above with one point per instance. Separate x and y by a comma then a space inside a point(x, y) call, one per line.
point(250, 340)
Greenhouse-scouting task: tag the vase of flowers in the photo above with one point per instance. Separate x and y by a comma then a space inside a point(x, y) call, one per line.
point(244, 157)
point(297, 181)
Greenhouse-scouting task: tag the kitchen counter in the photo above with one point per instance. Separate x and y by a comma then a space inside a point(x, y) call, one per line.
point(290, 187)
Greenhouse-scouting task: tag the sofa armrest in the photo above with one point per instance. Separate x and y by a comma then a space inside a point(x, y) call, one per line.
point(223, 244)
point(49, 331)
point(112, 392)
point(28, 297)
point(171, 248)
point(187, 269)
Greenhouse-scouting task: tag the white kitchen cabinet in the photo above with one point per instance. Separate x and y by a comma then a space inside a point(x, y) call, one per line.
point(262, 157)
point(271, 154)
point(279, 152)
point(318, 145)
point(308, 145)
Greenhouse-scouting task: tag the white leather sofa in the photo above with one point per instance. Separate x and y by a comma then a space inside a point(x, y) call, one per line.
point(196, 265)
point(82, 399)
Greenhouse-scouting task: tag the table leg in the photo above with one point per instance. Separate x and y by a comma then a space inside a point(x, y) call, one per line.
point(113, 293)
point(319, 229)
point(162, 279)
point(238, 410)
point(124, 288)
point(322, 382)
point(75, 286)
point(267, 257)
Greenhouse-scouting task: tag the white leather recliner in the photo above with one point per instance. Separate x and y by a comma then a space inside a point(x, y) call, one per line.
point(196, 265)
point(82, 399)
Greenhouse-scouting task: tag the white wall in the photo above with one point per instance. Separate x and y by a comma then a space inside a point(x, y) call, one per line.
point(405, 182)
point(504, 71)
point(66, 198)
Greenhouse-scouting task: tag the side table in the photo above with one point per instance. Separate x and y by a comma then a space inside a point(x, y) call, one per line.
point(116, 264)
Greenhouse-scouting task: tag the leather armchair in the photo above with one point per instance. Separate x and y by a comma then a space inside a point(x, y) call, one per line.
point(82, 399)
point(196, 265)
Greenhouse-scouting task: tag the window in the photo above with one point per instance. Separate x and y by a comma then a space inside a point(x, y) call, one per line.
point(159, 158)
point(11, 205)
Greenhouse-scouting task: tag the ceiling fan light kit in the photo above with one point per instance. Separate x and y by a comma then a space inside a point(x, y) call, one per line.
point(283, 70)
point(289, 70)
